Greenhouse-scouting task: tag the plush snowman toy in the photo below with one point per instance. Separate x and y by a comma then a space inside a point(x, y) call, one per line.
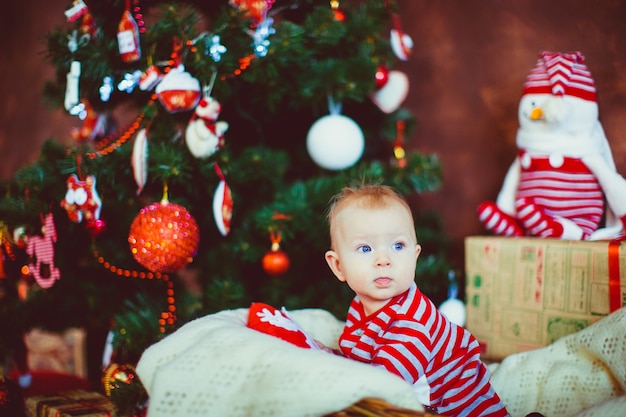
point(564, 174)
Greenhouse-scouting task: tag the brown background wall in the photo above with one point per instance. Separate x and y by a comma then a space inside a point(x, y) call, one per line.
point(470, 59)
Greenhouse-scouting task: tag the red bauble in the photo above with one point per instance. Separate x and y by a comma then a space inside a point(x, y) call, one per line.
point(164, 237)
point(95, 227)
point(381, 76)
point(275, 262)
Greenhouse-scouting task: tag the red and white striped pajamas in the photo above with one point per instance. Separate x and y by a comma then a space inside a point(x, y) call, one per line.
point(412, 339)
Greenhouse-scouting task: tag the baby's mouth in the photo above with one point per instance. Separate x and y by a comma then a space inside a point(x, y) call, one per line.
point(383, 281)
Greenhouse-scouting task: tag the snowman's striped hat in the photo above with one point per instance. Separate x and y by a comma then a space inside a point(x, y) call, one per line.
point(561, 74)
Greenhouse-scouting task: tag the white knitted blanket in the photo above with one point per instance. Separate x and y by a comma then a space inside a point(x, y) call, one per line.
point(582, 374)
point(216, 366)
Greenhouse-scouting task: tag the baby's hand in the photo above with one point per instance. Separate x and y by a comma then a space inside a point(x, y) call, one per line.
point(326, 348)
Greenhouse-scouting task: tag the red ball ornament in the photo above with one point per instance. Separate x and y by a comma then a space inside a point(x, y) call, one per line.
point(381, 76)
point(275, 261)
point(164, 237)
point(95, 227)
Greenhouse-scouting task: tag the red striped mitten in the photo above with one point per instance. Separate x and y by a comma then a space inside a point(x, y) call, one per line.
point(497, 221)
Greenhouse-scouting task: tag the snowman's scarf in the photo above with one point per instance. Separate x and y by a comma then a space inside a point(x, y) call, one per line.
point(592, 143)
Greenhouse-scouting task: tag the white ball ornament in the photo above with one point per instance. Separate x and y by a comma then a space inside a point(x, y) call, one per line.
point(335, 142)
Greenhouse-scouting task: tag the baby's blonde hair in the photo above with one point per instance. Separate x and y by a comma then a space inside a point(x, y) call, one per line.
point(365, 196)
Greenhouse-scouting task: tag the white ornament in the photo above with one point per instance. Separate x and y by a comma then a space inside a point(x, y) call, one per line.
point(401, 44)
point(453, 308)
point(335, 142)
point(71, 88)
point(391, 95)
point(139, 160)
point(204, 134)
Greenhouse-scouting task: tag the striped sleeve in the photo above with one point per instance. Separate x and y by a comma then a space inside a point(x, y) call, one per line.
point(404, 349)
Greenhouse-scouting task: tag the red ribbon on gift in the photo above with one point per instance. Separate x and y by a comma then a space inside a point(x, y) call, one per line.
point(615, 296)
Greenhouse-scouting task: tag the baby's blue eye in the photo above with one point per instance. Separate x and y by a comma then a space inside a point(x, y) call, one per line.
point(398, 246)
point(364, 249)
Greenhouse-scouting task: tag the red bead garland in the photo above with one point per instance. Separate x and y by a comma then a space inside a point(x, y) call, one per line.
point(168, 318)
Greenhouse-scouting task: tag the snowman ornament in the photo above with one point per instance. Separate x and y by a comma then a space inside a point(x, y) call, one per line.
point(204, 134)
point(564, 179)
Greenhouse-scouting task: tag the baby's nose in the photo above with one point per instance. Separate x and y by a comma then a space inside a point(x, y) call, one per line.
point(383, 260)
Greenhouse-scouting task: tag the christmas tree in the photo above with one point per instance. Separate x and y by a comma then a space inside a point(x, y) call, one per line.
point(212, 136)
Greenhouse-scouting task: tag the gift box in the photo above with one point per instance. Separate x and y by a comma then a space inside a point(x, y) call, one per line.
point(63, 352)
point(71, 403)
point(525, 293)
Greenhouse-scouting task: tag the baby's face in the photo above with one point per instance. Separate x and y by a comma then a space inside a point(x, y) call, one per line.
point(375, 252)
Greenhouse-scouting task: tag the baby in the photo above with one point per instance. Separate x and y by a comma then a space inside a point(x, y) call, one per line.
point(390, 323)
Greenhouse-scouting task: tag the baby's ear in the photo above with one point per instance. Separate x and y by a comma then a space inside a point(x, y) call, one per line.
point(332, 259)
point(418, 250)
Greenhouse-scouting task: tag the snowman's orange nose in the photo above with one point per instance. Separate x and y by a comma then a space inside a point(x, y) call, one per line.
point(536, 114)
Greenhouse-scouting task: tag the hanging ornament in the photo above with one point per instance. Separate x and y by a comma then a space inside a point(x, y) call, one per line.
point(150, 78)
point(128, 37)
point(335, 142)
point(275, 261)
point(398, 147)
point(94, 125)
point(71, 87)
point(81, 199)
point(222, 204)
point(178, 91)
point(381, 76)
point(73, 76)
point(340, 16)
point(95, 227)
point(78, 10)
point(139, 159)
point(116, 377)
point(401, 43)
point(389, 97)
point(453, 308)
point(88, 25)
point(41, 251)
point(205, 134)
point(255, 10)
point(164, 236)
point(20, 237)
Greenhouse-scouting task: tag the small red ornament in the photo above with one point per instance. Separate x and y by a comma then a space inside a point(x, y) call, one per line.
point(340, 16)
point(95, 227)
point(164, 237)
point(275, 261)
point(381, 76)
